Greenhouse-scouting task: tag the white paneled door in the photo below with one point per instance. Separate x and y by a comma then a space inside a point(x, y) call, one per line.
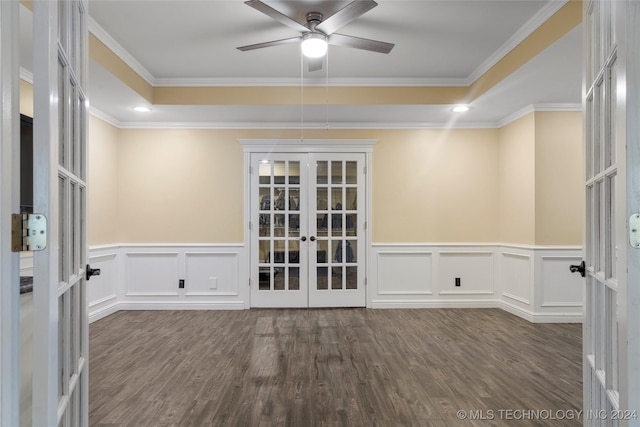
point(60, 382)
point(307, 229)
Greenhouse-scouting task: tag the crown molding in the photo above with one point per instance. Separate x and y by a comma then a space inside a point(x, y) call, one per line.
point(543, 15)
point(26, 75)
point(106, 117)
point(452, 124)
point(335, 82)
point(296, 125)
point(102, 35)
point(537, 108)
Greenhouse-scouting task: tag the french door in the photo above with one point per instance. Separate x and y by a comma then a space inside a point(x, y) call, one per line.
point(307, 230)
point(60, 331)
point(611, 331)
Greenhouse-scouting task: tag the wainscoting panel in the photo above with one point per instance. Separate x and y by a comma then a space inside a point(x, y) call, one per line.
point(151, 274)
point(516, 269)
point(531, 282)
point(405, 273)
point(212, 274)
point(558, 291)
point(474, 269)
point(423, 275)
point(102, 290)
point(146, 277)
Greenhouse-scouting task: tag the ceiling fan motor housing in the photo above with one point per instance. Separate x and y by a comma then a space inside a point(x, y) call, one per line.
point(313, 20)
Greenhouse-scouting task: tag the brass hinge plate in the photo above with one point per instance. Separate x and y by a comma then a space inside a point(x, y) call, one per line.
point(28, 232)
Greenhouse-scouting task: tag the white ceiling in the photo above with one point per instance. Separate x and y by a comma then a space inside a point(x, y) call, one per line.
point(179, 42)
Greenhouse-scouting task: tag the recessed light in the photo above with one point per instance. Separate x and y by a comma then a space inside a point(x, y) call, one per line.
point(460, 109)
point(142, 109)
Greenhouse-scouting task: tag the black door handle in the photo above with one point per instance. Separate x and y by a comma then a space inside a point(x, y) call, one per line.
point(312, 238)
point(303, 238)
point(580, 268)
point(92, 272)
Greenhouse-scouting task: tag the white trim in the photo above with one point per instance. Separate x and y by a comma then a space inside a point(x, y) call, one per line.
point(489, 295)
point(308, 145)
point(310, 82)
point(542, 16)
point(461, 303)
point(537, 108)
point(106, 117)
point(26, 75)
point(9, 202)
point(181, 305)
point(336, 126)
point(516, 298)
point(102, 300)
point(466, 293)
point(181, 245)
point(119, 51)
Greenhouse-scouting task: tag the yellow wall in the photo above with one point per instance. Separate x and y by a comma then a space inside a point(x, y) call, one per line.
point(517, 181)
point(186, 186)
point(26, 98)
point(517, 184)
point(559, 178)
point(436, 186)
point(102, 197)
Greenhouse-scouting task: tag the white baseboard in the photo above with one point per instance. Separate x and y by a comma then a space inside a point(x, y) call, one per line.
point(181, 305)
point(399, 304)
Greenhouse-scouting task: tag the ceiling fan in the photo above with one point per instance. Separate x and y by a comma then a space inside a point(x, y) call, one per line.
point(319, 31)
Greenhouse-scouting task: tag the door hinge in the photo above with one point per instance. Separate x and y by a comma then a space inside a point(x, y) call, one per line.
point(250, 170)
point(28, 232)
point(365, 281)
point(250, 226)
point(365, 225)
point(249, 281)
point(364, 170)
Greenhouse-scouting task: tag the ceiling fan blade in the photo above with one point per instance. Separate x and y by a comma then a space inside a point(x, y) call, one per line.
point(269, 44)
point(345, 15)
point(280, 17)
point(315, 64)
point(360, 43)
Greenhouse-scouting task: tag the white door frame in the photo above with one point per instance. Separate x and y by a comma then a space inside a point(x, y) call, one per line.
point(9, 203)
point(309, 146)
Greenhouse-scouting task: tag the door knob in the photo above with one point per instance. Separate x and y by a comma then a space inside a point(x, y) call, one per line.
point(92, 272)
point(580, 268)
point(303, 238)
point(312, 238)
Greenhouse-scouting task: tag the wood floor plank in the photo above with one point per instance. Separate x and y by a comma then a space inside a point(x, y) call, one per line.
point(330, 367)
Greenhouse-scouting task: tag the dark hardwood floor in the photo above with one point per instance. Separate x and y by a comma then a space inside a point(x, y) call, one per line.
point(333, 367)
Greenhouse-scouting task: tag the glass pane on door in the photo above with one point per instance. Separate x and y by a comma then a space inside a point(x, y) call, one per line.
point(339, 193)
point(277, 212)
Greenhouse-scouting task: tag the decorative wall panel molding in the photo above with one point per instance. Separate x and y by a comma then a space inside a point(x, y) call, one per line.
point(531, 282)
point(148, 277)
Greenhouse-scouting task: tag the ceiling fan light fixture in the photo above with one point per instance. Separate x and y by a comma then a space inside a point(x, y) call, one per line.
point(314, 45)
